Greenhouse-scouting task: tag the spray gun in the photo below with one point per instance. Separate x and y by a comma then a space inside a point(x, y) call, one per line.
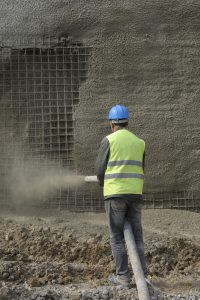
point(91, 179)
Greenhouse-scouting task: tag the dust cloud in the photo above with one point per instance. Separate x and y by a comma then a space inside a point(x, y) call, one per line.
point(35, 181)
point(25, 178)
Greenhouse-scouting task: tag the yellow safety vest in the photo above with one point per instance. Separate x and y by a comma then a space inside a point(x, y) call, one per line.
point(124, 173)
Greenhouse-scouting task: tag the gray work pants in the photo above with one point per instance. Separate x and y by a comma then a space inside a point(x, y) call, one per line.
point(118, 210)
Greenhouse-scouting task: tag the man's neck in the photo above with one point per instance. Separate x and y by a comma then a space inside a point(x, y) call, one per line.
point(116, 128)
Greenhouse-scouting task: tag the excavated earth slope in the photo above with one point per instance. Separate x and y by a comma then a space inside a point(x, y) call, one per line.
point(64, 255)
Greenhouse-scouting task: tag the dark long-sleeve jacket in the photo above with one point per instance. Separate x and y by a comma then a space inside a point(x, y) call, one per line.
point(102, 160)
point(101, 166)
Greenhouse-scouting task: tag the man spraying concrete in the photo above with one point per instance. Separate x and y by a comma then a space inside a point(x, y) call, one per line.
point(119, 169)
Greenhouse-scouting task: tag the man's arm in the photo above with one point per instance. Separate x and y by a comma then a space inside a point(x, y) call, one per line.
point(102, 160)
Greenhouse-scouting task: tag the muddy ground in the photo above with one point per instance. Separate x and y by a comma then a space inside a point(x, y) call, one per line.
point(56, 255)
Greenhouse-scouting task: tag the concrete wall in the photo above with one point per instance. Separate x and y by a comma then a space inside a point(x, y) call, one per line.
point(146, 55)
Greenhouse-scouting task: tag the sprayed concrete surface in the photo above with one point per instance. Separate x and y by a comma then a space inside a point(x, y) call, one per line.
point(146, 56)
point(62, 255)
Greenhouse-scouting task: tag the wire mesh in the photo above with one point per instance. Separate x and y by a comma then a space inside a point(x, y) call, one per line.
point(187, 200)
point(39, 91)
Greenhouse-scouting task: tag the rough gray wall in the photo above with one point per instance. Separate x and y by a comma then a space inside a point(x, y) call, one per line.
point(146, 55)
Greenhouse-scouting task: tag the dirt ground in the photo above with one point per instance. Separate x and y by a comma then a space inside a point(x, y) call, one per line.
point(67, 249)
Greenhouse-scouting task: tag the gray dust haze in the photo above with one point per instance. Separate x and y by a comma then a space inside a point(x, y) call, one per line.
point(31, 182)
point(26, 179)
point(35, 182)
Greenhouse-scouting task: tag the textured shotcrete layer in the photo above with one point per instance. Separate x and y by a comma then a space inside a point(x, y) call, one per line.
point(146, 56)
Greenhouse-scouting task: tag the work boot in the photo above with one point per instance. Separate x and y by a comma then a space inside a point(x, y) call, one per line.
point(123, 280)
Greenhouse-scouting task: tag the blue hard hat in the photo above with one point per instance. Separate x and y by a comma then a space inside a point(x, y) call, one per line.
point(118, 112)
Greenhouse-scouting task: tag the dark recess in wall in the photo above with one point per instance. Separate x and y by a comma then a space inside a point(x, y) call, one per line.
point(39, 91)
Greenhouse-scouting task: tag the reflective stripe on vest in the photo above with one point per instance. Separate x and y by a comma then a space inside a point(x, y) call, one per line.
point(125, 162)
point(124, 173)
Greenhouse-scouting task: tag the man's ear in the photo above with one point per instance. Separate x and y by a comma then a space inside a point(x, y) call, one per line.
point(112, 125)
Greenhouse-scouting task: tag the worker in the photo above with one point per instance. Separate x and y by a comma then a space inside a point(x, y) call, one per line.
point(119, 169)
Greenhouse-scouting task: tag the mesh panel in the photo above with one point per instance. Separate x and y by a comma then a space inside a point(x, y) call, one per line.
point(39, 91)
point(188, 200)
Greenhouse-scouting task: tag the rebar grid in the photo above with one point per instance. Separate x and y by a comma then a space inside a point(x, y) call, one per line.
point(39, 91)
point(42, 90)
point(187, 200)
